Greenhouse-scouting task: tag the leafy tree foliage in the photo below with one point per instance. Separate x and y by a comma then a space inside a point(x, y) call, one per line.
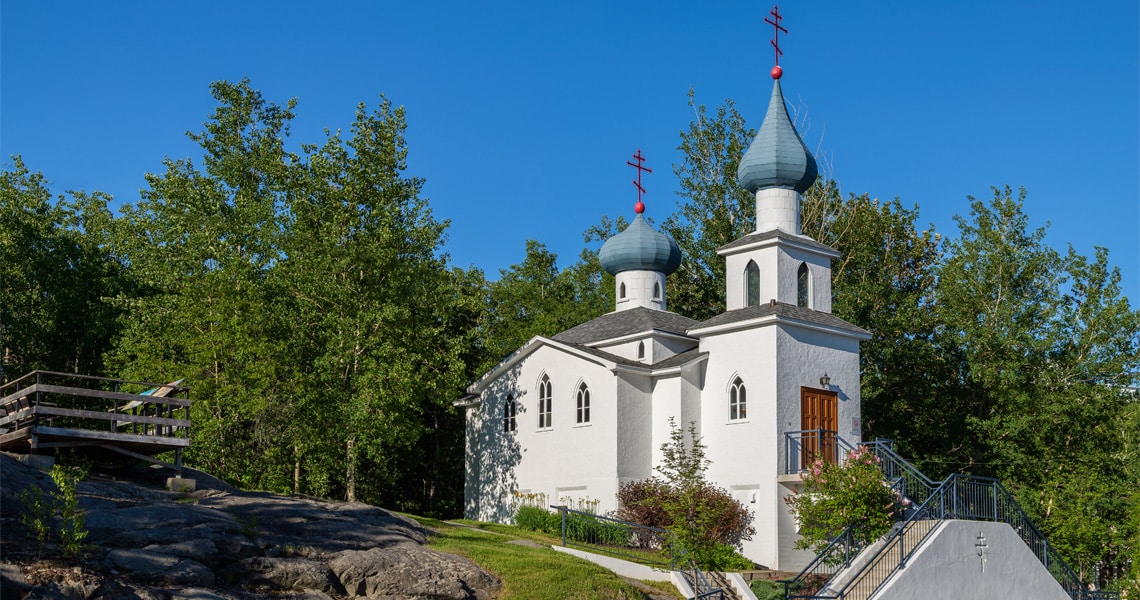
point(55, 272)
point(716, 210)
point(304, 298)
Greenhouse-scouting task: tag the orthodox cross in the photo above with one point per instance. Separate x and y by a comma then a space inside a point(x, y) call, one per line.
point(776, 37)
point(981, 547)
point(639, 207)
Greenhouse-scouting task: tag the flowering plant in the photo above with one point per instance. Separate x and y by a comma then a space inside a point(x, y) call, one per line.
point(838, 496)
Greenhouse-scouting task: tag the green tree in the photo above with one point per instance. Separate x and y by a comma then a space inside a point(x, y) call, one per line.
point(56, 270)
point(1047, 345)
point(715, 211)
point(534, 298)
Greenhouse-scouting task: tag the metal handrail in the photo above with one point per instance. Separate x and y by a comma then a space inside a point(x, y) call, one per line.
point(616, 537)
point(805, 444)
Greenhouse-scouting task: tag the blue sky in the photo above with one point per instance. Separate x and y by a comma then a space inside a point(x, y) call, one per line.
point(522, 115)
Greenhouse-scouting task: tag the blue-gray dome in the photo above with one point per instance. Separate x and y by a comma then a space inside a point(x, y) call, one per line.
point(640, 248)
point(777, 157)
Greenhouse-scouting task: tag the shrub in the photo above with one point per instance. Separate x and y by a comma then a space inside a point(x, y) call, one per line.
point(701, 516)
point(532, 518)
point(838, 496)
point(722, 557)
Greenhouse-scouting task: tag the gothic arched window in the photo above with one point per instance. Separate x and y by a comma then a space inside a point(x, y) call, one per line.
point(737, 400)
point(752, 284)
point(621, 290)
point(640, 350)
point(509, 414)
point(656, 290)
point(545, 411)
point(803, 286)
point(583, 401)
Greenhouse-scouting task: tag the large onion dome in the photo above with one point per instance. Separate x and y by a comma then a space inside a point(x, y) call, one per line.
point(777, 157)
point(640, 248)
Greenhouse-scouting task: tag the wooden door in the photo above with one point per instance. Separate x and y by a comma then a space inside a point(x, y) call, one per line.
point(819, 412)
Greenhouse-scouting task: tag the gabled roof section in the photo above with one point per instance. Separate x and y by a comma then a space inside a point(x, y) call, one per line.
point(779, 311)
point(626, 322)
point(679, 359)
point(777, 234)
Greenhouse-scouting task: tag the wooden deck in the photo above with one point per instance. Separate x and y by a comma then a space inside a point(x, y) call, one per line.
point(44, 411)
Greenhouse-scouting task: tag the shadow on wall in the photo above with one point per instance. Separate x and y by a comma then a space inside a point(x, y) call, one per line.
point(495, 451)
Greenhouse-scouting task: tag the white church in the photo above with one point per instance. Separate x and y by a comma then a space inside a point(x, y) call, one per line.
point(578, 414)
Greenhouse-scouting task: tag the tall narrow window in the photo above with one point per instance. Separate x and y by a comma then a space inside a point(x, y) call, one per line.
point(656, 290)
point(640, 350)
point(509, 414)
point(737, 401)
point(545, 411)
point(621, 290)
point(752, 284)
point(803, 286)
point(583, 397)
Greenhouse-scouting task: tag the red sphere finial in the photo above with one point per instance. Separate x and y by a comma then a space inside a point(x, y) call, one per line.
point(777, 72)
point(639, 207)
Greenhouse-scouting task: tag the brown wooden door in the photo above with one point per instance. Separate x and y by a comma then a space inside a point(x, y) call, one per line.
point(819, 411)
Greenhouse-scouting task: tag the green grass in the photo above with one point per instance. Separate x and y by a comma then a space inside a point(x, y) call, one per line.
point(527, 572)
point(767, 590)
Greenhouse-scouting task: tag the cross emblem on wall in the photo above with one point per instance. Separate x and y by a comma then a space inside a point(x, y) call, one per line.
point(981, 546)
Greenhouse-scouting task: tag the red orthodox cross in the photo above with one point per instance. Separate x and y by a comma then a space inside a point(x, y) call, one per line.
point(776, 70)
point(639, 207)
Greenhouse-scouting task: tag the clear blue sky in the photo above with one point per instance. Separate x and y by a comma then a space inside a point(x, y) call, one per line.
point(522, 115)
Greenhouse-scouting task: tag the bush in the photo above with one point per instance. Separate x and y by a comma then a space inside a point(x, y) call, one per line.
point(839, 496)
point(722, 557)
point(704, 518)
point(532, 518)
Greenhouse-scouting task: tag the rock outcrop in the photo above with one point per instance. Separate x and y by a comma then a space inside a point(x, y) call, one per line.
point(220, 543)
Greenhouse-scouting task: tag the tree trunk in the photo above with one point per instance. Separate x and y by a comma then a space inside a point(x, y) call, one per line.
point(350, 472)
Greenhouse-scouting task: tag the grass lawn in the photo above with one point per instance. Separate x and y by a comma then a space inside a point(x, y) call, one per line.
point(529, 572)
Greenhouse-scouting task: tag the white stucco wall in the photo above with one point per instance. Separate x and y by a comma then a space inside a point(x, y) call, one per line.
point(949, 566)
point(778, 208)
point(778, 262)
point(804, 356)
point(639, 289)
point(744, 452)
point(567, 459)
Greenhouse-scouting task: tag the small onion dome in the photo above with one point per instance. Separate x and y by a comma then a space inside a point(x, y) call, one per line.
point(640, 248)
point(777, 157)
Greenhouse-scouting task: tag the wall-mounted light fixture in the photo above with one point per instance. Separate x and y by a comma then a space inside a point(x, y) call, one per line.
point(824, 381)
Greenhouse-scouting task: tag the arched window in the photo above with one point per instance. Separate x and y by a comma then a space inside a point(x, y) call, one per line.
point(752, 284)
point(641, 350)
point(737, 401)
point(803, 286)
point(621, 290)
point(544, 404)
point(509, 414)
point(583, 401)
point(656, 290)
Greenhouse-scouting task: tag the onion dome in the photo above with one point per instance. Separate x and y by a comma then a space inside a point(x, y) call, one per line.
point(777, 157)
point(640, 248)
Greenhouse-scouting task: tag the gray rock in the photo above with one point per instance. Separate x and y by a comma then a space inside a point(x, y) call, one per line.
point(410, 572)
point(202, 549)
point(159, 568)
point(290, 574)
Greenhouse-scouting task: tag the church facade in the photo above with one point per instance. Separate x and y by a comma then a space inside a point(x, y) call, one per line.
point(577, 414)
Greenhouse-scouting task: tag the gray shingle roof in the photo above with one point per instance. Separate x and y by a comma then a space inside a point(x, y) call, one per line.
point(625, 322)
point(753, 238)
point(672, 361)
point(780, 309)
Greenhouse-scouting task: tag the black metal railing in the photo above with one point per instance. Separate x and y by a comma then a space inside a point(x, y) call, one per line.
point(804, 447)
point(703, 589)
point(651, 546)
point(959, 497)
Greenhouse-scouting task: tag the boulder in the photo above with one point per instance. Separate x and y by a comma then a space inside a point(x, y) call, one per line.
point(412, 572)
